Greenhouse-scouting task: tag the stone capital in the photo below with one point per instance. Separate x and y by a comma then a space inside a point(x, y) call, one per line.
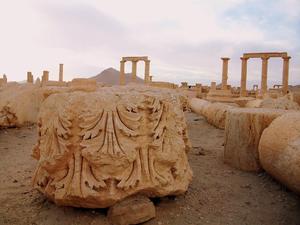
point(244, 58)
point(286, 58)
point(265, 58)
point(225, 58)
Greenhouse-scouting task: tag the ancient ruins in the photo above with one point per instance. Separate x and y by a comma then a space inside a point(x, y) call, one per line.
point(120, 146)
point(264, 72)
point(134, 60)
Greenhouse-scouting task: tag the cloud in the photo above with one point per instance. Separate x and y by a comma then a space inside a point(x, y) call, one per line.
point(184, 39)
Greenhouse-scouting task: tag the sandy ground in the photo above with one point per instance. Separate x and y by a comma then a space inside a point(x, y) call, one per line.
point(218, 194)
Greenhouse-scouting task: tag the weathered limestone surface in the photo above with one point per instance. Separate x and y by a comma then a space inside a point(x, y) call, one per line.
point(279, 103)
point(132, 210)
point(162, 84)
point(83, 84)
point(19, 105)
point(215, 113)
point(198, 105)
point(295, 96)
point(279, 150)
point(95, 149)
point(243, 130)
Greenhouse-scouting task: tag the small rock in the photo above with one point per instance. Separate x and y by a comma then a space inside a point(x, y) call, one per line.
point(132, 210)
point(248, 203)
point(200, 153)
point(15, 181)
point(246, 186)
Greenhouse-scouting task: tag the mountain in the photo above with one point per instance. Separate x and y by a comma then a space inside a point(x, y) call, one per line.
point(111, 76)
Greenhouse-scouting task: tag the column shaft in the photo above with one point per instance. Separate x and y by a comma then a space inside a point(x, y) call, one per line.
point(29, 77)
point(61, 72)
point(147, 71)
point(213, 86)
point(243, 91)
point(225, 73)
point(285, 75)
point(122, 73)
point(45, 76)
point(264, 76)
point(134, 65)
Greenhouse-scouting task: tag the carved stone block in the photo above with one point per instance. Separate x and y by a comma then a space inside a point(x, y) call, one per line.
point(95, 149)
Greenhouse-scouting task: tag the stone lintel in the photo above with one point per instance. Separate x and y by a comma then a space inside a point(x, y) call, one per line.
point(265, 54)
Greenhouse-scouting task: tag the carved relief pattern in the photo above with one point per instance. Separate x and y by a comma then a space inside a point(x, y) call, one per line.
point(93, 152)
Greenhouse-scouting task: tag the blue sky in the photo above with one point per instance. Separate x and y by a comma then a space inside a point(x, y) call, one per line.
point(184, 39)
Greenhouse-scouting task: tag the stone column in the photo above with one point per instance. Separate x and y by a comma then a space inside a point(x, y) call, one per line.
point(213, 86)
point(147, 71)
point(243, 90)
point(198, 90)
point(29, 77)
point(264, 76)
point(184, 85)
point(45, 76)
point(61, 72)
point(134, 65)
point(4, 79)
point(285, 75)
point(122, 72)
point(225, 73)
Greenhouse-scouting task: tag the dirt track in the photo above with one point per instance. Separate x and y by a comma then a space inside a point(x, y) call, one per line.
point(217, 195)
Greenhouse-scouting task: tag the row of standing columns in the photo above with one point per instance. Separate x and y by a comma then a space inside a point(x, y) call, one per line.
point(147, 77)
point(45, 76)
point(264, 75)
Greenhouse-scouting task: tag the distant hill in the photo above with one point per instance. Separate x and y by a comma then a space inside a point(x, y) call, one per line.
point(111, 76)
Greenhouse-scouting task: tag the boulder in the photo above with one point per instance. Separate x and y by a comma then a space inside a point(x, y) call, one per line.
point(243, 130)
point(279, 150)
point(95, 149)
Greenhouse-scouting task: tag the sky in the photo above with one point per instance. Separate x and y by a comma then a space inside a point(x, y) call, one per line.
point(183, 39)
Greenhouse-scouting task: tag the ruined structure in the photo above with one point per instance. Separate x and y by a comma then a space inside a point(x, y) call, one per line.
point(3, 80)
point(61, 72)
point(29, 77)
point(45, 76)
point(264, 73)
point(95, 149)
point(224, 94)
point(134, 60)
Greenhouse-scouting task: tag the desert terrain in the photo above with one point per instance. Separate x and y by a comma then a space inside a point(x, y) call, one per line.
point(218, 193)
